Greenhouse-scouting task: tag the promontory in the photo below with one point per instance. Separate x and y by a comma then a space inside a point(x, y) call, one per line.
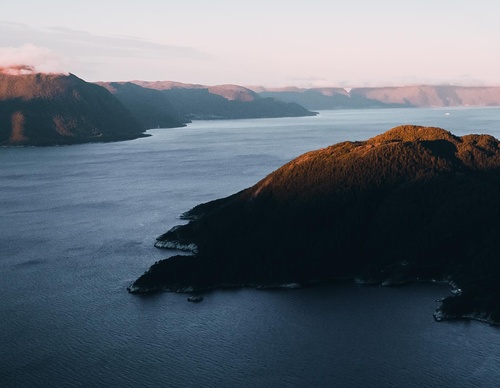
point(415, 203)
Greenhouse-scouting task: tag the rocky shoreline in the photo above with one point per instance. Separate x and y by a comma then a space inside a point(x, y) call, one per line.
point(135, 289)
point(439, 314)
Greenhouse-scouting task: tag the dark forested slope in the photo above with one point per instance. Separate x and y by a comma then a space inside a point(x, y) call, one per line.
point(413, 203)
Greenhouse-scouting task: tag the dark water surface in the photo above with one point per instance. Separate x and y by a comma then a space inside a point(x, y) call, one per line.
point(78, 223)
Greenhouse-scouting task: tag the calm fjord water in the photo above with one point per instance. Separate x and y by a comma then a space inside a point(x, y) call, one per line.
point(78, 225)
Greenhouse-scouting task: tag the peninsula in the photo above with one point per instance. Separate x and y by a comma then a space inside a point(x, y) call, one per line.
point(413, 204)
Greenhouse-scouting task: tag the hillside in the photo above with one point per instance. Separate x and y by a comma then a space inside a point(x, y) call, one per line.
point(151, 108)
point(389, 97)
point(166, 85)
point(47, 109)
point(197, 102)
point(433, 96)
point(327, 98)
point(415, 203)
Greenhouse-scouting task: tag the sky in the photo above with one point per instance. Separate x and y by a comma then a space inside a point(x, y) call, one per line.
point(273, 43)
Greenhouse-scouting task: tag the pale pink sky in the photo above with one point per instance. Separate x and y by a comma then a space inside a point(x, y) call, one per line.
point(271, 43)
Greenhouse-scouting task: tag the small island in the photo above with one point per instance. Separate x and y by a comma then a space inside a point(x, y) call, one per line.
point(413, 204)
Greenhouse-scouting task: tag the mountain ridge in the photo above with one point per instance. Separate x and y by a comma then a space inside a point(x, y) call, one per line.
point(228, 101)
point(150, 107)
point(47, 109)
point(395, 96)
point(52, 109)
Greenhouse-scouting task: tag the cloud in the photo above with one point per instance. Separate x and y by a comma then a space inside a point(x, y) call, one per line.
point(97, 57)
point(121, 45)
point(30, 58)
point(80, 43)
point(308, 79)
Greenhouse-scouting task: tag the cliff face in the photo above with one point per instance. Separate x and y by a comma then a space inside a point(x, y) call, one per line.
point(413, 203)
point(200, 102)
point(46, 109)
point(151, 108)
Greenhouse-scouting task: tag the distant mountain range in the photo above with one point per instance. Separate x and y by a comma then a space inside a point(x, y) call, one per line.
point(380, 97)
point(151, 108)
point(45, 109)
point(198, 102)
point(413, 204)
point(48, 109)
